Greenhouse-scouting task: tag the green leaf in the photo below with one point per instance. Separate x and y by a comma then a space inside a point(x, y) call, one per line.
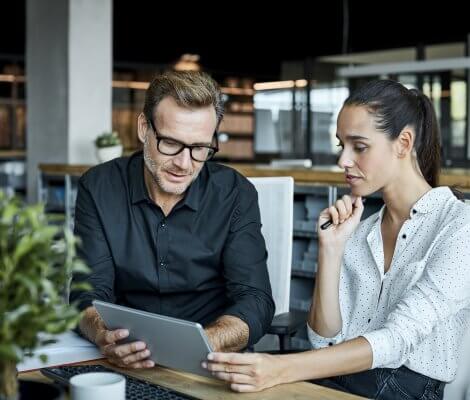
point(14, 315)
point(29, 284)
point(35, 266)
point(9, 351)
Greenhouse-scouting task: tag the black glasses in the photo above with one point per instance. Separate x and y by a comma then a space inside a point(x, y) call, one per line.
point(171, 147)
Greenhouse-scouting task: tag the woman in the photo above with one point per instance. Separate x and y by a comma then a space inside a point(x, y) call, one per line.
point(392, 293)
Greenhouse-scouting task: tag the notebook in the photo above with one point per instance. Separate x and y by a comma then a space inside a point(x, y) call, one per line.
point(69, 348)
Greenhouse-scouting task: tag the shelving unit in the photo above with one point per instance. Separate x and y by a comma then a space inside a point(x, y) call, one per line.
point(12, 112)
point(128, 97)
point(12, 172)
point(237, 125)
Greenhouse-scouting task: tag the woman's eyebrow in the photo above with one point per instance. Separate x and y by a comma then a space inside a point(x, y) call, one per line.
point(353, 137)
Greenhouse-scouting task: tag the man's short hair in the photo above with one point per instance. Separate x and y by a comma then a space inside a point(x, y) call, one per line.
point(188, 88)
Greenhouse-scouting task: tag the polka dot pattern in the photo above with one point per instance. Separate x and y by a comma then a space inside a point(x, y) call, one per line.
point(416, 313)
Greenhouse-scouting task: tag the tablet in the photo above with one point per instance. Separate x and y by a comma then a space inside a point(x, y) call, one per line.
point(173, 343)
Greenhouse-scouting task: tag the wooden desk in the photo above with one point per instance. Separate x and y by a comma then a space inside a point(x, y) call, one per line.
point(322, 175)
point(205, 388)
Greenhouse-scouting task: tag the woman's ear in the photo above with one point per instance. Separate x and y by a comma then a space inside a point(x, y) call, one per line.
point(142, 127)
point(405, 142)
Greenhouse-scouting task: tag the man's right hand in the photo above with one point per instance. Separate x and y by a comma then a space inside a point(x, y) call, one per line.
point(125, 355)
point(128, 355)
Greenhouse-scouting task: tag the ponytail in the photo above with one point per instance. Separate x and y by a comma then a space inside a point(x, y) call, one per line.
point(428, 140)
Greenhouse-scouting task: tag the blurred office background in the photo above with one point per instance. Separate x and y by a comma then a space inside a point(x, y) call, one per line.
point(71, 69)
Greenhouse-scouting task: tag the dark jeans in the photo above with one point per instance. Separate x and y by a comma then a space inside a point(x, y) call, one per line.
point(387, 384)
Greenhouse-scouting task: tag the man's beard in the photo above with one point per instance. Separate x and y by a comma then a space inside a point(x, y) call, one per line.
point(156, 169)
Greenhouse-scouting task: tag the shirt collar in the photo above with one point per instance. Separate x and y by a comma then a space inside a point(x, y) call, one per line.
point(192, 195)
point(432, 200)
point(139, 191)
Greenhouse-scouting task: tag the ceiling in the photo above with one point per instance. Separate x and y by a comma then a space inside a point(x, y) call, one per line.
point(237, 38)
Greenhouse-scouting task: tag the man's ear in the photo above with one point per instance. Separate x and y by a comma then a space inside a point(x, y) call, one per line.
point(142, 127)
point(405, 142)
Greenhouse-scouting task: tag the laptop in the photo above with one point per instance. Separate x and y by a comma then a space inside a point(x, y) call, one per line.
point(173, 342)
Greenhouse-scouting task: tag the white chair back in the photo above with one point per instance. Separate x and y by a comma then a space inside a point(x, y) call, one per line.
point(276, 203)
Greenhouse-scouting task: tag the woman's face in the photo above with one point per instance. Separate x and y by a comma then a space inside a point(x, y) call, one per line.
point(368, 157)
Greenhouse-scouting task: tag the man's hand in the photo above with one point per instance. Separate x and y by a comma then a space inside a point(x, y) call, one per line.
point(128, 355)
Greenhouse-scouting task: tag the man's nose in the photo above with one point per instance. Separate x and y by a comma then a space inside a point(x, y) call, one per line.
point(183, 159)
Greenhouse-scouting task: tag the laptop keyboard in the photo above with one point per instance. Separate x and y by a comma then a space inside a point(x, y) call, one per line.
point(136, 389)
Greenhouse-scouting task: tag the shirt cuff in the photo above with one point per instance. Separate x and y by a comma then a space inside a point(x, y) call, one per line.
point(84, 300)
point(379, 341)
point(318, 342)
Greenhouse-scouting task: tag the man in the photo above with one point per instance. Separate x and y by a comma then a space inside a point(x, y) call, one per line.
point(168, 233)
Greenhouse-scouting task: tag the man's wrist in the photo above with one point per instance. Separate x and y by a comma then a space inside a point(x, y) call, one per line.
point(91, 324)
point(213, 340)
point(227, 333)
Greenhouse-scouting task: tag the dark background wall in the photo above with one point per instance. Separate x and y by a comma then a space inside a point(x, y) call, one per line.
point(248, 39)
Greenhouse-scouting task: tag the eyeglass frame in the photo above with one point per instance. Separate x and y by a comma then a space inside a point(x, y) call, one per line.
point(159, 138)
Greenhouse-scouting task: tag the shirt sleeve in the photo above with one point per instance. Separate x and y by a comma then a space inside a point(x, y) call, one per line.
point(93, 249)
point(245, 268)
point(441, 292)
point(318, 342)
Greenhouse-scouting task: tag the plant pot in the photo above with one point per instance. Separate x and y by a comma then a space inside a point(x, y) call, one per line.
point(104, 154)
point(8, 380)
point(12, 389)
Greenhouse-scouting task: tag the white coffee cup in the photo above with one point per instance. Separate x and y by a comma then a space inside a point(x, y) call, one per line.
point(98, 386)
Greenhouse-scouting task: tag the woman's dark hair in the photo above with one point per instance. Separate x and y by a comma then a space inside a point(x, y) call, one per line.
point(394, 107)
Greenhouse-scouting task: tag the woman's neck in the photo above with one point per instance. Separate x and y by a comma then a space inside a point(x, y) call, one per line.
point(400, 196)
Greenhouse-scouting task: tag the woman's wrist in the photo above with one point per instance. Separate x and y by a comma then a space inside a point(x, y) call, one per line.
point(331, 247)
point(330, 255)
point(293, 367)
point(286, 373)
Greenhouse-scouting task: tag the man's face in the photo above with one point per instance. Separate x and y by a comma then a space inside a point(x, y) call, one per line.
point(173, 174)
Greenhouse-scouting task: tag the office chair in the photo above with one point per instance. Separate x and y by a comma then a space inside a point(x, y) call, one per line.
point(276, 203)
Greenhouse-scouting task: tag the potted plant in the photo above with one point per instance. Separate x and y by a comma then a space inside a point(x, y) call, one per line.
point(108, 146)
point(36, 263)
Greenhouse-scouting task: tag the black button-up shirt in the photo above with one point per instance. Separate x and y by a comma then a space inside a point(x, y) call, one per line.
point(207, 258)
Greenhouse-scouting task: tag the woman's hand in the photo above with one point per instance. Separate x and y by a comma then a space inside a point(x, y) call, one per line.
point(246, 372)
point(345, 215)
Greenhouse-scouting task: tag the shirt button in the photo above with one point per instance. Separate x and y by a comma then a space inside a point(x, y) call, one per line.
point(162, 224)
point(162, 264)
point(368, 321)
point(403, 236)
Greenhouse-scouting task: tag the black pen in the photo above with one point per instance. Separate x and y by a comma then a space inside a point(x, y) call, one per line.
point(328, 223)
